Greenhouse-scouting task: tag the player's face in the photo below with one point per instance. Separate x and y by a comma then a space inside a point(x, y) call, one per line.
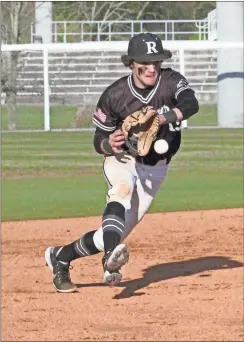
point(146, 73)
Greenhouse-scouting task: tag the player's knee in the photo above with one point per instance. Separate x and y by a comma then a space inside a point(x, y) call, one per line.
point(123, 190)
point(121, 193)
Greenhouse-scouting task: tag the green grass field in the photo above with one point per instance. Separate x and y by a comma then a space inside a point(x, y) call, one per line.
point(58, 174)
point(65, 117)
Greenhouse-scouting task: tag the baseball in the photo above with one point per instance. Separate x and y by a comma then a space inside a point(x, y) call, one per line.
point(161, 146)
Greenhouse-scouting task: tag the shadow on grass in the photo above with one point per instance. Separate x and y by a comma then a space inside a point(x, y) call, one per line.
point(170, 270)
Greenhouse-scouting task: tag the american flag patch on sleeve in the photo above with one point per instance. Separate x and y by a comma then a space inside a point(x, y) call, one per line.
point(100, 115)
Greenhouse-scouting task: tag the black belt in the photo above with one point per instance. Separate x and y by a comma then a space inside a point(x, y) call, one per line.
point(149, 161)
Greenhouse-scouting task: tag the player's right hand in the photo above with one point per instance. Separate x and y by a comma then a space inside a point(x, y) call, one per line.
point(116, 140)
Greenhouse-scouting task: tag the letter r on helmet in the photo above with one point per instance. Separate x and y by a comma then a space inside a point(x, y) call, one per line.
point(151, 47)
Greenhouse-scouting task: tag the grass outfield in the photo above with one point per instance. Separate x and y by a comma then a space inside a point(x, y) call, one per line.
point(65, 117)
point(58, 174)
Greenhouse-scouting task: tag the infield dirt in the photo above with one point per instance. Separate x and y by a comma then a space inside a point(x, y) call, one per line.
point(184, 282)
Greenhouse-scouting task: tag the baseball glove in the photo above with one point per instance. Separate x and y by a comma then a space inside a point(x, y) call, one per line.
point(140, 130)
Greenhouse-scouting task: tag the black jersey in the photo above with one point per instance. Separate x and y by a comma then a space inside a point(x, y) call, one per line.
point(122, 98)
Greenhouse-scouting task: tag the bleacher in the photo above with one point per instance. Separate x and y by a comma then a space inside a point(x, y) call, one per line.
point(81, 77)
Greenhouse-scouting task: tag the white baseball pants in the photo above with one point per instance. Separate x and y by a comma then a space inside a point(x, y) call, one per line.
point(143, 180)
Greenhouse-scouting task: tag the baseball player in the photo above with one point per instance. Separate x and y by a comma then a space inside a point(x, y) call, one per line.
point(134, 115)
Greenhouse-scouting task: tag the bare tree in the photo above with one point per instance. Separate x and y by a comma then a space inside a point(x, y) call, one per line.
point(16, 21)
point(103, 12)
point(94, 10)
point(131, 10)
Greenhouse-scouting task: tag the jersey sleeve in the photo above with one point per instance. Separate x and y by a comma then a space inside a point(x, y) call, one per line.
point(104, 117)
point(178, 84)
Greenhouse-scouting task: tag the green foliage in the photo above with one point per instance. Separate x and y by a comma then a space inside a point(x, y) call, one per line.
point(194, 36)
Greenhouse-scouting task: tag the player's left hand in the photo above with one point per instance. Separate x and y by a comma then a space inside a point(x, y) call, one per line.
point(140, 130)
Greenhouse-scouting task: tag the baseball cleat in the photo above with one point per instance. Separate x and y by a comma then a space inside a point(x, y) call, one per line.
point(61, 275)
point(112, 263)
point(112, 278)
